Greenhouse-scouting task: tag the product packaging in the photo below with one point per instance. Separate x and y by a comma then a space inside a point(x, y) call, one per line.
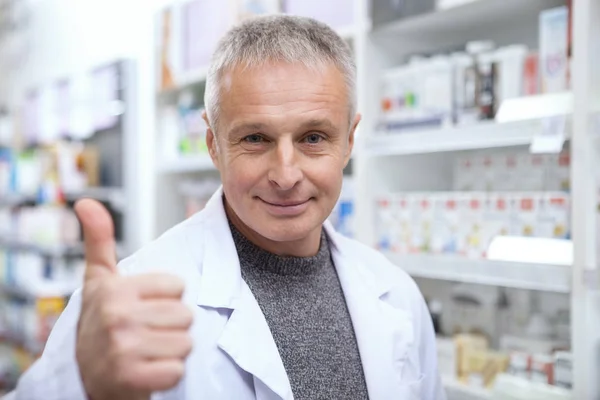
point(482, 367)
point(519, 364)
point(403, 217)
point(488, 77)
point(464, 89)
point(531, 75)
point(554, 216)
point(465, 173)
point(508, 172)
point(384, 223)
point(563, 369)
point(542, 368)
point(422, 223)
point(532, 172)
point(437, 91)
point(558, 172)
point(465, 344)
point(453, 243)
point(472, 218)
point(440, 229)
point(510, 68)
point(447, 357)
point(554, 63)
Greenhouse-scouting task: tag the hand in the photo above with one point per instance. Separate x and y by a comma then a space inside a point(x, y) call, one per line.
point(132, 334)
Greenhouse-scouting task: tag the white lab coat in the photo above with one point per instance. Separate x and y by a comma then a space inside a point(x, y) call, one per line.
point(234, 355)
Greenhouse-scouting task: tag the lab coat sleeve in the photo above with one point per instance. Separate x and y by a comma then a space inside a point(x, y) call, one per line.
point(431, 388)
point(55, 375)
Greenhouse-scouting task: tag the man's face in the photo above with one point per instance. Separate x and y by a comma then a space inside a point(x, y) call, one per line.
point(282, 142)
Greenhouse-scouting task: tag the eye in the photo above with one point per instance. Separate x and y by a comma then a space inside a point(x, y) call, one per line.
point(313, 138)
point(253, 139)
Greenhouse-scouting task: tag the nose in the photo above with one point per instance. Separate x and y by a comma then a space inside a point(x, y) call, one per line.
point(285, 172)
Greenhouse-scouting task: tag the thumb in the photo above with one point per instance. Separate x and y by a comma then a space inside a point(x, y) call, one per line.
point(98, 236)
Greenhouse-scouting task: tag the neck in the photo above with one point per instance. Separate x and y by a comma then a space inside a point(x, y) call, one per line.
point(304, 247)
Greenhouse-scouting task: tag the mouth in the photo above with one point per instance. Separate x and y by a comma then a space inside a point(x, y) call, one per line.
point(284, 204)
point(287, 208)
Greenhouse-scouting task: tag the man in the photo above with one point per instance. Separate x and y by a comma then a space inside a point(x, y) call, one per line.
point(255, 297)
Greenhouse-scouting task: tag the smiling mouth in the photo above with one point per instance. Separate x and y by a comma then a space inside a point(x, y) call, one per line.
point(285, 204)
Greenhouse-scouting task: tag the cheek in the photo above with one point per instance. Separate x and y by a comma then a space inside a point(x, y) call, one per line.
point(240, 175)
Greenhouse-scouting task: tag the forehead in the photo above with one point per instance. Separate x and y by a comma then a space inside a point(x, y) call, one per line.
point(283, 90)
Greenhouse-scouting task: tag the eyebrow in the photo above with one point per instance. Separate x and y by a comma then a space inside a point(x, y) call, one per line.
point(245, 127)
point(319, 123)
point(257, 126)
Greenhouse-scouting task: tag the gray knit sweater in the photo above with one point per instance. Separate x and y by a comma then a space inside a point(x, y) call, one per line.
point(306, 311)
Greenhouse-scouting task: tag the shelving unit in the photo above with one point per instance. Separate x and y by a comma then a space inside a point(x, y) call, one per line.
point(457, 391)
point(549, 278)
point(422, 160)
point(484, 135)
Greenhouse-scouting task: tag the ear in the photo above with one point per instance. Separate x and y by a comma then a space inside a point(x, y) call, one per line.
point(211, 142)
point(350, 146)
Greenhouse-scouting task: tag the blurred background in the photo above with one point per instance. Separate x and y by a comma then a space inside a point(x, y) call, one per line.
point(475, 168)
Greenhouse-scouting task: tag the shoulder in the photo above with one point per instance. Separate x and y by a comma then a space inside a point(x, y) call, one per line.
point(178, 246)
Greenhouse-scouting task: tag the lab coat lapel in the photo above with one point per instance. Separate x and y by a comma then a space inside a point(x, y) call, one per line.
point(384, 333)
point(246, 337)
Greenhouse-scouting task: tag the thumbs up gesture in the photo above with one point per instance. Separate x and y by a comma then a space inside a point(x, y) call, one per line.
point(132, 334)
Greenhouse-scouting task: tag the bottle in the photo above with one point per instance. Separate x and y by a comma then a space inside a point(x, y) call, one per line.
point(480, 78)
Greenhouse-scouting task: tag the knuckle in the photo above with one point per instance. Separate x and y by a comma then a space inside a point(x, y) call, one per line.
point(187, 316)
point(114, 315)
point(122, 345)
point(174, 374)
point(187, 345)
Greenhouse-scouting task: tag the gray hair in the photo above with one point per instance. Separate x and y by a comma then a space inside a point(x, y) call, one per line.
point(286, 38)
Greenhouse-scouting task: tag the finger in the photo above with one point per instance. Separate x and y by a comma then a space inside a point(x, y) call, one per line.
point(164, 314)
point(156, 375)
point(163, 344)
point(99, 240)
point(158, 285)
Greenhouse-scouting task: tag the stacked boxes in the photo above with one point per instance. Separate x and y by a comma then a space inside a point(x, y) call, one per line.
point(504, 171)
point(465, 223)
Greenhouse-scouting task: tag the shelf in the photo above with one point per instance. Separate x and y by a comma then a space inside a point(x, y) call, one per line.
point(470, 16)
point(58, 251)
point(14, 200)
point(54, 290)
point(457, 391)
point(45, 250)
point(544, 277)
point(113, 195)
point(480, 136)
point(187, 164)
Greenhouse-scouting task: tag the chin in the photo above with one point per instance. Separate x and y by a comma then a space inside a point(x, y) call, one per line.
point(287, 230)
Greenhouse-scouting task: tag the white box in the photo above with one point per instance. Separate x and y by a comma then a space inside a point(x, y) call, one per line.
point(447, 361)
point(439, 229)
point(384, 222)
point(495, 218)
point(554, 63)
point(464, 173)
point(554, 216)
point(524, 221)
point(508, 171)
point(558, 172)
point(532, 172)
point(422, 221)
point(403, 221)
point(472, 218)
